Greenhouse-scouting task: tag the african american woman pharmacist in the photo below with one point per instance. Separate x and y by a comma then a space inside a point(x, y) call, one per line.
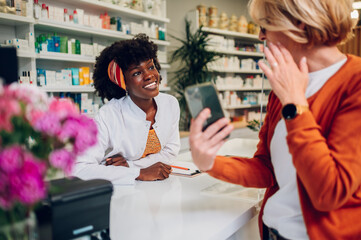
point(309, 153)
point(138, 128)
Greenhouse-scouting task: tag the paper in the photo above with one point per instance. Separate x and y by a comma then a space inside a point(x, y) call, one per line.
point(192, 172)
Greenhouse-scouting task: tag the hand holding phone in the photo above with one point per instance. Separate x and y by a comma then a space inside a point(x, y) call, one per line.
point(202, 96)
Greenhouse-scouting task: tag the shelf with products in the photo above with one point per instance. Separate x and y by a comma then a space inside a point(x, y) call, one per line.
point(88, 89)
point(79, 89)
point(125, 11)
point(242, 106)
point(246, 36)
point(240, 83)
point(14, 20)
point(244, 71)
point(99, 24)
point(235, 52)
point(238, 88)
point(55, 56)
point(81, 30)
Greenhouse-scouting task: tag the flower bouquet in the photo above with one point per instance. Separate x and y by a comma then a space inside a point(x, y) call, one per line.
point(38, 136)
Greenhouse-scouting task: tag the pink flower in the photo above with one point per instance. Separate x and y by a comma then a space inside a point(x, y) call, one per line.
point(48, 123)
point(82, 129)
point(84, 140)
point(27, 184)
point(62, 159)
point(32, 190)
point(63, 107)
point(8, 109)
point(87, 134)
point(35, 115)
point(29, 95)
point(69, 129)
point(33, 166)
point(11, 159)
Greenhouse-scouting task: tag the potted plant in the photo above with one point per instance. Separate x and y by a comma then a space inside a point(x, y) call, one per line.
point(193, 57)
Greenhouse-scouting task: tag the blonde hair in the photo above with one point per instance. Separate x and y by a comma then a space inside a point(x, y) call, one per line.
point(327, 22)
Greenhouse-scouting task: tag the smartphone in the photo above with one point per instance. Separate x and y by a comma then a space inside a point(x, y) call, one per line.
point(202, 96)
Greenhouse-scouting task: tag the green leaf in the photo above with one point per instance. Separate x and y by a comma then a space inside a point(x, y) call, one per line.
point(194, 58)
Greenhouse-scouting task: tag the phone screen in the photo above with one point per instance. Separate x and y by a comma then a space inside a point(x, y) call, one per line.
point(203, 96)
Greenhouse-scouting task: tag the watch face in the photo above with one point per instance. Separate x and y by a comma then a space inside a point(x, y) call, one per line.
point(289, 111)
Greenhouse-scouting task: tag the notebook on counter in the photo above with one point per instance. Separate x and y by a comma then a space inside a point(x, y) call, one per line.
point(185, 169)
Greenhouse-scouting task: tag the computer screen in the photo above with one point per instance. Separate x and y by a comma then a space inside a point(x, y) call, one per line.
point(8, 65)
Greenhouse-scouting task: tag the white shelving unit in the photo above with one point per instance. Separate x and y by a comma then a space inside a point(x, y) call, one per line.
point(13, 26)
point(86, 31)
point(235, 52)
point(54, 56)
point(79, 89)
point(227, 33)
point(73, 89)
point(241, 106)
point(232, 108)
point(244, 71)
point(113, 9)
point(14, 20)
point(237, 88)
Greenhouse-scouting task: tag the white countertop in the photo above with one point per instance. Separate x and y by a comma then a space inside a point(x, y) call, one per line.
point(183, 208)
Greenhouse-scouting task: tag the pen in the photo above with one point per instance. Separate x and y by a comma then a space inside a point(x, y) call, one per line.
point(179, 167)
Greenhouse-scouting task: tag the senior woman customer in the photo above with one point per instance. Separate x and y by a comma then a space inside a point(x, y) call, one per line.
point(309, 151)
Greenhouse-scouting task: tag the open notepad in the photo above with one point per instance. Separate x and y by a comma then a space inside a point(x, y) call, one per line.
point(192, 172)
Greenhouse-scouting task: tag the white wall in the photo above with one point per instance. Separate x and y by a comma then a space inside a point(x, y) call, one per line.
point(177, 9)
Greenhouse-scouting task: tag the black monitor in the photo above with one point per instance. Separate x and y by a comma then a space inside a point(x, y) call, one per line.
point(8, 65)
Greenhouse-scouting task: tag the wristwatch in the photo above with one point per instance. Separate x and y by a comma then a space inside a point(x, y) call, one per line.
point(290, 111)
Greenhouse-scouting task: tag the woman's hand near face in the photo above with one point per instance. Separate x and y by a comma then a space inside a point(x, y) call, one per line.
point(116, 160)
point(157, 171)
point(288, 80)
point(205, 145)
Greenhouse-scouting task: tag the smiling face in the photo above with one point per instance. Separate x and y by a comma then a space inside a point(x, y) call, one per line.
point(142, 81)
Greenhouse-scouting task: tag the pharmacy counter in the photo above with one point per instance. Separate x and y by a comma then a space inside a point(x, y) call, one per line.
point(181, 208)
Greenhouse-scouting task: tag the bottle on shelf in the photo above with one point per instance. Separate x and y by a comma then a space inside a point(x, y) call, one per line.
point(66, 15)
point(37, 9)
point(113, 24)
point(75, 17)
point(119, 24)
point(106, 21)
point(77, 47)
point(72, 46)
point(56, 41)
point(44, 11)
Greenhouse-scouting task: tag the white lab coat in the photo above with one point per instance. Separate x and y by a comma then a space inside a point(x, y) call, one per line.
point(123, 129)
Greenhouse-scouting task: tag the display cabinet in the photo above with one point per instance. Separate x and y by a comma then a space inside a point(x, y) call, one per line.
point(89, 34)
point(242, 86)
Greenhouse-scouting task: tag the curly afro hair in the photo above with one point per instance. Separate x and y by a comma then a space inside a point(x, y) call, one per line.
point(125, 53)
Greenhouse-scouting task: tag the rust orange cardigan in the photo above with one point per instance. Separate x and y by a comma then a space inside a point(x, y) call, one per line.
point(325, 145)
